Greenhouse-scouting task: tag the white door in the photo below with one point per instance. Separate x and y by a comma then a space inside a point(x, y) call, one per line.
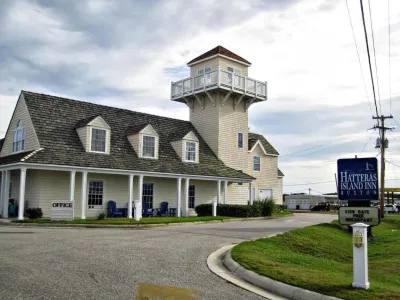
point(265, 193)
point(304, 204)
point(292, 204)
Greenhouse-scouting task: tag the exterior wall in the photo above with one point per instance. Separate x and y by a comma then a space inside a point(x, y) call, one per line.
point(267, 177)
point(84, 137)
point(238, 194)
point(314, 199)
point(99, 122)
point(134, 140)
point(220, 62)
point(31, 139)
point(178, 146)
point(213, 63)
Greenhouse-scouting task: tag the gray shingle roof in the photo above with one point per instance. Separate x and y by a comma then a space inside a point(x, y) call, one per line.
point(1, 143)
point(280, 173)
point(254, 137)
point(55, 121)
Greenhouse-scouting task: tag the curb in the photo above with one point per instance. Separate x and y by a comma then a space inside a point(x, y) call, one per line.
point(122, 226)
point(271, 285)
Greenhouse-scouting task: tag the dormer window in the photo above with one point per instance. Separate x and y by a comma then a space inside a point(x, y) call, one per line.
point(19, 138)
point(190, 153)
point(149, 146)
point(98, 141)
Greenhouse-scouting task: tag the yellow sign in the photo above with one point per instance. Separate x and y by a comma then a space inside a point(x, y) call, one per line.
point(150, 291)
point(358, 239)
point(392, 189)
point(352, 215)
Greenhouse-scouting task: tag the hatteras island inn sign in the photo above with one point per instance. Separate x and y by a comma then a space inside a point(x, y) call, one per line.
point(358, 179)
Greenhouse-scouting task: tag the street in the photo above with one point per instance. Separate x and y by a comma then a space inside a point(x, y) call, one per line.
point(55, 263)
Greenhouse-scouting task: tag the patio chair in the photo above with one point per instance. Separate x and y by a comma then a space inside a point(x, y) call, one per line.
point(112, 210)
point(163, 210)
point(146, 211)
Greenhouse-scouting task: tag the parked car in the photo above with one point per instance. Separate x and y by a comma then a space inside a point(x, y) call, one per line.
point(391, 208)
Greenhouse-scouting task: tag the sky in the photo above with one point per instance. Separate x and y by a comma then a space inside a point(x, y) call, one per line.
point(126, 53)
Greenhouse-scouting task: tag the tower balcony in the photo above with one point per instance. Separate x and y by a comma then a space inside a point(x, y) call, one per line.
point(219, 80)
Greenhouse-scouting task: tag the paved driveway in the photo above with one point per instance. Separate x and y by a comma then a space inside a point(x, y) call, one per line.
point(46, 263)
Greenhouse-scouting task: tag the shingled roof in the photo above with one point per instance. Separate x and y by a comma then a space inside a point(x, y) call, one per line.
point(219, 50)
point(280, 173)
point(254, 137)
point(1, 143)
point(55, 121)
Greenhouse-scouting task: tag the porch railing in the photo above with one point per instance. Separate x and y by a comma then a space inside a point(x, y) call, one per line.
point(219, 79)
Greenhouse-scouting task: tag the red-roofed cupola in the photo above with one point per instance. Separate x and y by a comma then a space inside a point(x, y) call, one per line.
point(219, 51)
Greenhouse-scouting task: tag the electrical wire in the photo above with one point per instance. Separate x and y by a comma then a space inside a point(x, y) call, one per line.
point(309, 183)
point(366, 144)
point(390, 81)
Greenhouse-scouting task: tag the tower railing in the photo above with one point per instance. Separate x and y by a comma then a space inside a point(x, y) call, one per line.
point(219, 79)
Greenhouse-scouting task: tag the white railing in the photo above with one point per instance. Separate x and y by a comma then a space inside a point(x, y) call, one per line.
point(219, 79)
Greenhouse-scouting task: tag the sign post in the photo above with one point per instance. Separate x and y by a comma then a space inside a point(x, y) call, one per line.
point(360, 256)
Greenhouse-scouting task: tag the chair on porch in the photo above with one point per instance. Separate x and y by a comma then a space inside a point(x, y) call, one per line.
point(112, 210)
point(163, 210)
point(146, 211)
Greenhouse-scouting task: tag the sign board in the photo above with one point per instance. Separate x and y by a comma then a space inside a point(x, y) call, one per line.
point(62, 210)
point(352, 215)
point(396, 190)
point(358, 179)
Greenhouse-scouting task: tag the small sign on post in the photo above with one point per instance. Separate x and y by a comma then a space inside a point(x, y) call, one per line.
point(366, 215)
point(360, 256)
point(62, 210)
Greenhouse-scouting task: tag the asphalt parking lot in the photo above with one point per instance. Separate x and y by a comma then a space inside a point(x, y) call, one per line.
point(61, 263)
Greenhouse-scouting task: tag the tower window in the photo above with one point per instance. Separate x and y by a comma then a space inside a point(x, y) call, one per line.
point(19, 138)
point(240, 140)
point(256, 163)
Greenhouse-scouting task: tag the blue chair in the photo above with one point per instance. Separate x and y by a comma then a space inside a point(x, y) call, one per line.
point(146, 211)
point(163, 211)
point(112, 210)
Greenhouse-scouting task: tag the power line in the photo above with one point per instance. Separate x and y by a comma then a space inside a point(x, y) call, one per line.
point(369, 57)
point(309, 183)
point(376, 66)
point(390, 81)
point(300, 151)
point(366, 143)
point(359, 60)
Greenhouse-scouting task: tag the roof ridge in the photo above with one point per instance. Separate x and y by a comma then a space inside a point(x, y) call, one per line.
point(102, 105)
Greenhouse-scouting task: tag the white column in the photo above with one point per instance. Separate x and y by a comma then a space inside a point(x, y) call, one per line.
point(138, 210)
point(251, 193)
point(178, 197)
point(130, 196)
point(186, 212)
point(214, 208)
point(72, 186)
point(84, 195)
point(6, 194)
point(140, 188)
point(218, 191)
point(21, 194)
point(360, 256)
point(225, 192)
point(2, 194)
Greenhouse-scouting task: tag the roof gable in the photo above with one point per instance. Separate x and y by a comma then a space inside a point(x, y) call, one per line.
point(254, 138)
point(99, 122)
point(191, 137)
point(219, 50)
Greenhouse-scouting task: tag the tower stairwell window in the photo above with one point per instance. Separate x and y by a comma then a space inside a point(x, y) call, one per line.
point(190, 154)
point(149, 146)
point(240, 140)
point(98, 143)
point(19, 138)
point(256, 163)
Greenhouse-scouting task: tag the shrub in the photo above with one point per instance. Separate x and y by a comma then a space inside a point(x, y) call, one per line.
point(279, 208)
point(101, 216)
point(269, 208)
point(34, 213)
point(203, 210)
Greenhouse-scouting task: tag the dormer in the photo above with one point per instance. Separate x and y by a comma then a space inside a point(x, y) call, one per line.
point(187, 147)
point(95, 135)
point(144, 140)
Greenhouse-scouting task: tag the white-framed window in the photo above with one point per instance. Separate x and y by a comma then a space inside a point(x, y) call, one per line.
point(149, 146)
point(19, 138)
point(190, 151)
point(240, 140)
point(234, 71)
point(98, 140)
point(204, 71)
point(96, 194)
point(192, 196)
point(256, 163)
point(148, 194)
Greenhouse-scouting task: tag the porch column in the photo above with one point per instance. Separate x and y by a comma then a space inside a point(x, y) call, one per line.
point(178, 197)
point(130, 196)
point(3, 186)
point(6, 194)
point(186, 212)
point(219, 192)
point(84, 195)
point(21, 194)
point(72, 186)
point(225, 192)
point(251, 193)
point(140, 188)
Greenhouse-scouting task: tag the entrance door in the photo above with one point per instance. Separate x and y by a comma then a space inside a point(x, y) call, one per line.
point(265, 193)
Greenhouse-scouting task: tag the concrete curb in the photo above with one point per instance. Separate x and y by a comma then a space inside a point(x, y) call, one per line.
point(122, 226)
point(271, 285)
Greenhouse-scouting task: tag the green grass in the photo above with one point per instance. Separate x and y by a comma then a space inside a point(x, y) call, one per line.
point(320, 258)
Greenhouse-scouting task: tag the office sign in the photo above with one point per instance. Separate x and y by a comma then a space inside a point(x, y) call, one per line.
point(358, 179)
point(352, 215)
point(62, 210)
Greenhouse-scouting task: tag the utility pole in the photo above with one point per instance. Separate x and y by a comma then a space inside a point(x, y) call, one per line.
point(309, 191)
point(382, 129)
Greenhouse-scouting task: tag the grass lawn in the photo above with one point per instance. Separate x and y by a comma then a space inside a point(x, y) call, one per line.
point(320, 258)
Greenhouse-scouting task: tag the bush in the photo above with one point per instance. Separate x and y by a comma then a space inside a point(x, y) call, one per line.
point(279, 208)
point(101, 216)
point(258, 209)
point(34, 213)
point(269, 208)
point(203, 210)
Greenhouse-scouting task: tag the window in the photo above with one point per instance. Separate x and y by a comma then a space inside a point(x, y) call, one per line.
point(149, 146)
point(19, 138)
point(235, 71)
point(240, 140)
point(147, 194)
point(98, 140)
point(204, 71)
point(256, 163)
point(10, 190)
point(96, 194)
point(190, 151)
point(191, 196)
